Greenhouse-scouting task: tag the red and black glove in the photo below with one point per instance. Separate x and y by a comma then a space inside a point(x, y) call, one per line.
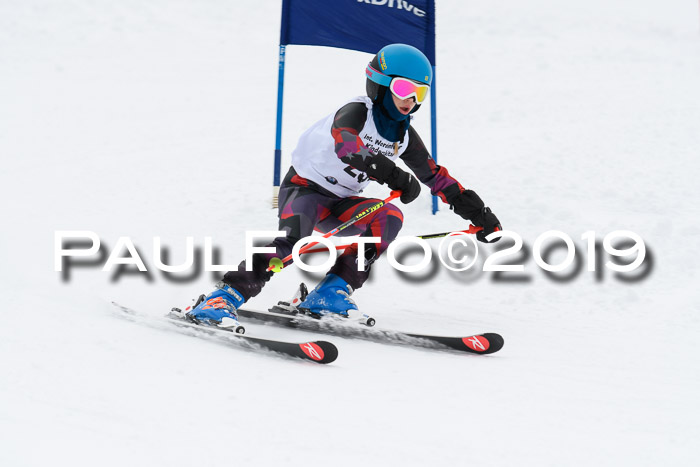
point(470, 206)
point(490, 223)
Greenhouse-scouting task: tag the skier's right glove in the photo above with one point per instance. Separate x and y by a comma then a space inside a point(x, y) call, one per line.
point(404, 181)
point(384, 170)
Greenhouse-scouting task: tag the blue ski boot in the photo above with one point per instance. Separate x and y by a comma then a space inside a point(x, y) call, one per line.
point(331, 296)
point(219, 308)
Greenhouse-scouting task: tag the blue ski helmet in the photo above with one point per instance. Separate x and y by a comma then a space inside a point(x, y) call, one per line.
point(396, 60)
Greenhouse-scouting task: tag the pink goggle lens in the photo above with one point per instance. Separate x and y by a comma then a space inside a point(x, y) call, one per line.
point(404, 88)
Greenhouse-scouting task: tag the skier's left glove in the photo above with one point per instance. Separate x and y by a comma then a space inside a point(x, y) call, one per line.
point(470, 207)
point(490, 224)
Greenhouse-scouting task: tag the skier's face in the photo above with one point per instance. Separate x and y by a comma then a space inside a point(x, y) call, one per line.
point(404, 105)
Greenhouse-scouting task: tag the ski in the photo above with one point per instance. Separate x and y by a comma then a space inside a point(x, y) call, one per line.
point(481, 344)
point(314, 351)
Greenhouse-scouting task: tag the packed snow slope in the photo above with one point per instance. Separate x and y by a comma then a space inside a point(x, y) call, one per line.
point(156, 119)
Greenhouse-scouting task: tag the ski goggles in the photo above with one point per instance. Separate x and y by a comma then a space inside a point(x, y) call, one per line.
point(403, 88)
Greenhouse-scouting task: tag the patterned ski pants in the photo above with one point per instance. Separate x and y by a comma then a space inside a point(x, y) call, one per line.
point(303, 209)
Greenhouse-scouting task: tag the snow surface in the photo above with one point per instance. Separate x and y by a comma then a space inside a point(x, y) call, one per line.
point(156, 118)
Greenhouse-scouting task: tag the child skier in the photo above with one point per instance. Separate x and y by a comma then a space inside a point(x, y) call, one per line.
point(333, 162)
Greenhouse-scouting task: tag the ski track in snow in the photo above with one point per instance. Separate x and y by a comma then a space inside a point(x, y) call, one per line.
point(157, 119)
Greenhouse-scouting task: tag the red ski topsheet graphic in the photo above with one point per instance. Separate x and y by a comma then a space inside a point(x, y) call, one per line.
point(312, 350)
point(476, 343)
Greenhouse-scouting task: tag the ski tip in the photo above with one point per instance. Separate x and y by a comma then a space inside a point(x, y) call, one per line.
point(320, 351)
point(482, 344)
point(495, 342)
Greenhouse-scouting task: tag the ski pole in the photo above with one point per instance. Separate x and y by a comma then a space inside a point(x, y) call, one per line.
point(471, 230)
point(277, 264)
